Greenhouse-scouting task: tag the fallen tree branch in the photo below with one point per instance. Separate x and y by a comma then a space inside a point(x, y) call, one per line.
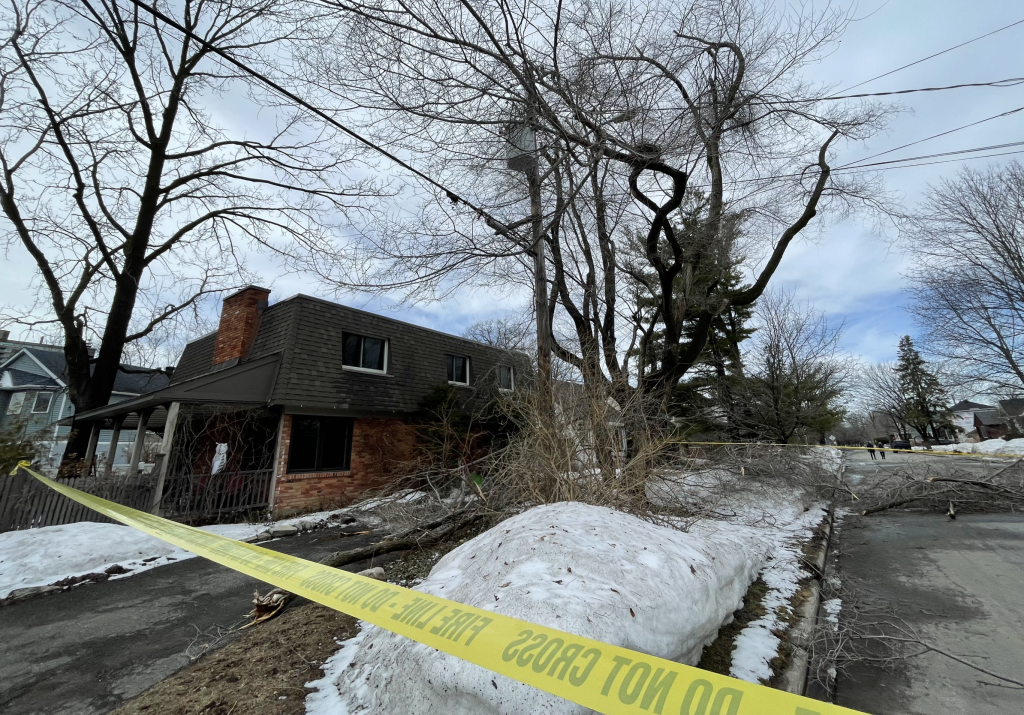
point(419, 536)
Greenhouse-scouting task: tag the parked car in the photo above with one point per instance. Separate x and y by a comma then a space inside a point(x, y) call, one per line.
point(900, 444)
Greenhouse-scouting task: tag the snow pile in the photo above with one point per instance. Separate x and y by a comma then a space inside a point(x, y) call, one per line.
point(40, 557)
point(44, 556)
point(962, 448)
point(999, 446)
point(587, 570)
point(757, 644)
point(1013, 447)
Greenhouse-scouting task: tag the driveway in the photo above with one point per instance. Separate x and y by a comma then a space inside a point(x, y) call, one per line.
point(959, 584)
point(89, 649)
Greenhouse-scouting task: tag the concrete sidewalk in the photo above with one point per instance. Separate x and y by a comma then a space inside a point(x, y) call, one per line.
point(961, 585)
point(89, 649)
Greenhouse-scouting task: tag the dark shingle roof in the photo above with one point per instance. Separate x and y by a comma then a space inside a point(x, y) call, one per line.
point(1013, 408)
point(21, 378)
point(308, 331)
point(990, 417)
point(139, 381)
point(964, 405)
point(195, 359)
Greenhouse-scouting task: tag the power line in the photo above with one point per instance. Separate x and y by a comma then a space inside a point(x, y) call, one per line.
point(287, 94)
point(1011, 82)
point(924, 59)
point(889, 164)
point(935, 136)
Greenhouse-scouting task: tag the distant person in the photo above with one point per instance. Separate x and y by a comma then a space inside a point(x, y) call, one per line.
point(871, 449)
point(881, 449)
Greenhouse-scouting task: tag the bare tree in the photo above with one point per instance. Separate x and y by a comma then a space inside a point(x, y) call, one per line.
point(968, 240)
point(640, 118)
point(880, 390)
point(130, 182)
point(795, 376)
point(509, 333)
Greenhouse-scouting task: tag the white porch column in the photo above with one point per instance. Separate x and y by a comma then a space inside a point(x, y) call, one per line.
point(164, 456)
point(90, 450)
point(140, 441)
point(115, 435)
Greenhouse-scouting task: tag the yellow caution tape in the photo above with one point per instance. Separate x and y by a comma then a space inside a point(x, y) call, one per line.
point(603, 677)
point(835, 446)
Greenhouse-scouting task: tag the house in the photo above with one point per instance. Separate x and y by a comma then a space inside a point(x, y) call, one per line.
point(34, 396)
point(1013, 413)
point(990, 424)
point(299, 404)
point(963, 412)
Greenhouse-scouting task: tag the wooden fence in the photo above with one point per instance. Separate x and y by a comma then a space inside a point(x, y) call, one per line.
point(25, 503)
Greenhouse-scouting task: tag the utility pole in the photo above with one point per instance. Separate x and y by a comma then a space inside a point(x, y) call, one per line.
point(522, 156)
point(540, 287)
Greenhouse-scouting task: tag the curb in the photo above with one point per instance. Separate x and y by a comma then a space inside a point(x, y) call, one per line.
point(794, 677)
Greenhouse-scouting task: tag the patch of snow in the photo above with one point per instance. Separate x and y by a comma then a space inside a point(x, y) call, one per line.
point(757, 645)
point(587, 570)
point(40, 557)
point(999, 446)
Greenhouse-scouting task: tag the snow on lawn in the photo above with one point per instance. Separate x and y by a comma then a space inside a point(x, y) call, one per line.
point(756, 645)
point(1012, 447)
point(40, 557)
point(587, 570)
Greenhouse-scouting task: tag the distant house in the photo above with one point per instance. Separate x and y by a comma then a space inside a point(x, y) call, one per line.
point(34, 395)
point(1013, 412)
point(963, 415)
point(990, 424)
point(299, 404)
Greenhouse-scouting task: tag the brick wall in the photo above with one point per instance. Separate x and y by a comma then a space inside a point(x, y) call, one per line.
point(379, 446)
point(239, 321)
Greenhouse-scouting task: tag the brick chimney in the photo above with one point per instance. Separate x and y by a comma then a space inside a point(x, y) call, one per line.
point(239, 321)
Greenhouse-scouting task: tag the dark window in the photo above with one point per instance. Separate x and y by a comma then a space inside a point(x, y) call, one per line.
point(320, 444)
point(364, 352)
point(42, 403)
point(458, 369)
point(505, 377)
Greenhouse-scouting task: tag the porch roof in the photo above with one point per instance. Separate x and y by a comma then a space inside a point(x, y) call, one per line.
point(250, 383)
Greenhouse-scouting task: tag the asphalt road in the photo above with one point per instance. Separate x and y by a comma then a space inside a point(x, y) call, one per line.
point(89, 649)
point(959, 584)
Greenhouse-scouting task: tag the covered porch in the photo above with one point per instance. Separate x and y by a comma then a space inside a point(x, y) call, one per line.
point(204, 447)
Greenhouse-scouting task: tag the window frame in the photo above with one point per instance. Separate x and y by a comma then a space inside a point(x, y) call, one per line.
point(19, 398)
point(362, 339)
point(511, 378)
point(49, 403)
point(317, 463)
point(466, 367)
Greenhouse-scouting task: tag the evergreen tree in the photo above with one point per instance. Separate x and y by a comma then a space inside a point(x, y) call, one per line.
point(926, 407)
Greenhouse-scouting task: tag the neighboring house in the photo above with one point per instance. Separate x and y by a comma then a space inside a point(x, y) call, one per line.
point(8, 347)
point(990, 424)
point(1013, 412)
point(963, 414)
point(34, 396)
point(300, 404)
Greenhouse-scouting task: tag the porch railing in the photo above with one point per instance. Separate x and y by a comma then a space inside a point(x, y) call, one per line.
point(190, 497)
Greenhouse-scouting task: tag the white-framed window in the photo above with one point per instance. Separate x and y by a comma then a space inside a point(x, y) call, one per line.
point(506, 378)
point(43, 402)
point(360, 352)
point(458, 369)
point(16, 403)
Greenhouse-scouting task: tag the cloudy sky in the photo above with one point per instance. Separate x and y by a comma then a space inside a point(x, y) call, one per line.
point(849, 271)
